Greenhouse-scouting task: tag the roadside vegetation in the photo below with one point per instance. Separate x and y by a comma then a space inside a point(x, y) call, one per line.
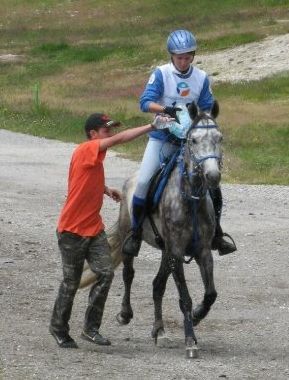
point(83, 56)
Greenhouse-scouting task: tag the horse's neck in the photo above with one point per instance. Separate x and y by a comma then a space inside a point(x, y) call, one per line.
point(182, 190)
point(190, 182)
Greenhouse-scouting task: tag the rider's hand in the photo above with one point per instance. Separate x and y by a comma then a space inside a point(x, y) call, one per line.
point(172, 111)
point(161, 122)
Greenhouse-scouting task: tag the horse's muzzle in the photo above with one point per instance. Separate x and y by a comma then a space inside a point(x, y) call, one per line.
point(213, 178)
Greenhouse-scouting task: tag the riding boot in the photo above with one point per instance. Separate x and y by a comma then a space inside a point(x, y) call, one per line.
point(132, 242)
point(219, 243)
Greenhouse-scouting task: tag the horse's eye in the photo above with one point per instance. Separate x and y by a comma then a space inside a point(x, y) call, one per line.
point(194, 141)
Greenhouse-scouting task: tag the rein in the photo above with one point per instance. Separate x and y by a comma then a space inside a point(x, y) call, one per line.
point(197, 192)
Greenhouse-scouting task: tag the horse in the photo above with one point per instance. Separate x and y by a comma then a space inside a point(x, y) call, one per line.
point(182, 226)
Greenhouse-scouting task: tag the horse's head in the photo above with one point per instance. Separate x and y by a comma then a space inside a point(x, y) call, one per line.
point(203, 153)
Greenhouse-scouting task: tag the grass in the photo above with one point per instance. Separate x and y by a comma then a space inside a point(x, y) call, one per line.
point(56, 124)
point(273, 89)
point(86, 56)
point(263, 157)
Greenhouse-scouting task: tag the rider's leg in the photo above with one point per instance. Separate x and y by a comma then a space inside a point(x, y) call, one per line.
point(219, 243)
point(150, 164)
point(132, 243)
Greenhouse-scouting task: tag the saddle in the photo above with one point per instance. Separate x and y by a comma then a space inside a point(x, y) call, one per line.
point(159, 181)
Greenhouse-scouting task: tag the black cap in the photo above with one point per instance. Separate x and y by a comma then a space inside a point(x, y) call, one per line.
point(99, 120)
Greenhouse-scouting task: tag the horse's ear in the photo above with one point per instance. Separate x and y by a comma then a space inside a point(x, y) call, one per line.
point(193, 110)
point(215, 109)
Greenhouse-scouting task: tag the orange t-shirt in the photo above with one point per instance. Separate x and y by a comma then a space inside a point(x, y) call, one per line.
point(81, 211)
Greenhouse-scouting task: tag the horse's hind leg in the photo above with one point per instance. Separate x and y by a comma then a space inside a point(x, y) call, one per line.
point(185, 306)
point(159, 287)
point(126, 313)
point(206, 265)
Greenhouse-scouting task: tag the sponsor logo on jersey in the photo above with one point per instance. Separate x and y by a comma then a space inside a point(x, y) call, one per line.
point(183, 89)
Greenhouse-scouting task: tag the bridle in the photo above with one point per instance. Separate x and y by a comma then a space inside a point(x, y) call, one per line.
point(196, 125)
point(198, 191)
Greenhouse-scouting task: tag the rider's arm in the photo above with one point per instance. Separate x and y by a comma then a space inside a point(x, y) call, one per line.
point(152, 93)
point(206, 98)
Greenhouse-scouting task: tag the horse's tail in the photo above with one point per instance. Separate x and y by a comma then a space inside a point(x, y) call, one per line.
point(115, 242)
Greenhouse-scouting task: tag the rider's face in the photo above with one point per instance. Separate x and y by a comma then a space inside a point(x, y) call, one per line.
point(182, 61)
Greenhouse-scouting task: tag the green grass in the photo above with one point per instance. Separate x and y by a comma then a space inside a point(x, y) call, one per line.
point(56, 124)
point(263, 151)
point(84, 56)
point(228, 41)
point(273, 88)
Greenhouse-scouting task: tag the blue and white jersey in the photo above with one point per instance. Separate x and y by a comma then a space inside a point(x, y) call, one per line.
point(168, 87)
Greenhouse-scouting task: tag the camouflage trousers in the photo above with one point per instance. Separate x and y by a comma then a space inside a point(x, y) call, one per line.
point(75, 250)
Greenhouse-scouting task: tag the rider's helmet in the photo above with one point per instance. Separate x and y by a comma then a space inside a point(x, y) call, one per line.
point(181, 41)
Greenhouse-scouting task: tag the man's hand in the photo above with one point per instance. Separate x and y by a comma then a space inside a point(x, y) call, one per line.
point(113, 193)
point(172, 112)
point(161, 122)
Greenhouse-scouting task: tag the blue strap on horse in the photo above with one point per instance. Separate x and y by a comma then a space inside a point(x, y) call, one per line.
point(193, 199)
point(163, 178)
point(157, 186)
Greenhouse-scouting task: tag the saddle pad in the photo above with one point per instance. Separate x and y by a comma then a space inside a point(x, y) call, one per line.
point(159, 181)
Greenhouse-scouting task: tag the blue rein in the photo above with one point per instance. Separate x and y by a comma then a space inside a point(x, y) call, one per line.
point(197, 192)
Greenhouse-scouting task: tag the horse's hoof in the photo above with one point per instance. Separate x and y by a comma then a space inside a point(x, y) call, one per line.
point(122, 320)
point(192, 352)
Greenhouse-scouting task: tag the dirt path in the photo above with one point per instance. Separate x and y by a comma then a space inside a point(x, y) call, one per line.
point(248, 62)
point(244, 337)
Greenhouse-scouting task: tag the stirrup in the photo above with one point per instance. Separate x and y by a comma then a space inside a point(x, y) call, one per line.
point(230, 247)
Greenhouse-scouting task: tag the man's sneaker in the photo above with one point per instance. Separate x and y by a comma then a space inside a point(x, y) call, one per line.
point(95, 337)
point(63, 339)
point(132, 243)
point(224, 247)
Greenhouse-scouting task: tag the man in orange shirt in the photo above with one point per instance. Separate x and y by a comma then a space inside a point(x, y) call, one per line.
point(80, 229)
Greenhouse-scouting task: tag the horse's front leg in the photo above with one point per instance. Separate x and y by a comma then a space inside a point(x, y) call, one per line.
point(126, 313)
point(159, 287)
point(206, 265)
point(177, 269)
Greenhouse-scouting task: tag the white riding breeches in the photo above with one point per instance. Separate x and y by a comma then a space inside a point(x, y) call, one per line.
point(155, 153)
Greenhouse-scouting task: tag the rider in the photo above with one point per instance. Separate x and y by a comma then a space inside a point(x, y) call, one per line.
point(175, 83)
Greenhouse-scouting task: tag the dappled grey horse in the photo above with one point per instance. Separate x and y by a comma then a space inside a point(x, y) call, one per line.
point(182, 226)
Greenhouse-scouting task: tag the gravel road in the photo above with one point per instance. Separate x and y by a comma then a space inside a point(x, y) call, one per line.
point(245, 336)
